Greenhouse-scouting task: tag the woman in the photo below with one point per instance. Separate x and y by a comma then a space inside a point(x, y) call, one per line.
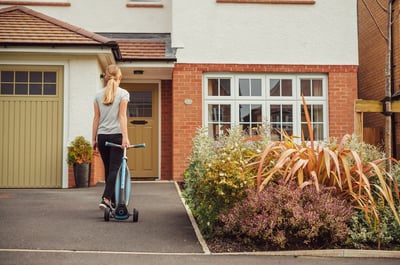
point(110, 124)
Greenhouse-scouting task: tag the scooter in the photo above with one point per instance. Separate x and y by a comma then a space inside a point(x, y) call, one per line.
point(122, 189)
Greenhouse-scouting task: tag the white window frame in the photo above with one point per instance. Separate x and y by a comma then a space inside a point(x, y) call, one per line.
point(266, 100)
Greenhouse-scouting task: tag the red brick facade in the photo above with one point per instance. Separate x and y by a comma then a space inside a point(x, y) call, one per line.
point(187, 84)
point(166, 130)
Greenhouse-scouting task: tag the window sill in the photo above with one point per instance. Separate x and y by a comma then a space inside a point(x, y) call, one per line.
point(281, 2)
point(32, 3)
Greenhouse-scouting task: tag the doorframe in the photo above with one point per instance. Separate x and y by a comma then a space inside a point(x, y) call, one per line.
point(158, 82)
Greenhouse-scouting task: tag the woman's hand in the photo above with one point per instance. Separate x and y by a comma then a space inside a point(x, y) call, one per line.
point(125, 142)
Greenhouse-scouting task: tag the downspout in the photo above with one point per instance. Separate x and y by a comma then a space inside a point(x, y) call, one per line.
point(394, 133)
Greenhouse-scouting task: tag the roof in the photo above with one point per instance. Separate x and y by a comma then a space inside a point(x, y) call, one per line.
point(143, 46)
point(139, 49)
point(21, 25)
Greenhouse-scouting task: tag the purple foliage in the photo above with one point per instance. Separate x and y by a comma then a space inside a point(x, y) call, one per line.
point(287, 217)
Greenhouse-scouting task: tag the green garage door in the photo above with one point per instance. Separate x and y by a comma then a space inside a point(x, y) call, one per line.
point(31, 126)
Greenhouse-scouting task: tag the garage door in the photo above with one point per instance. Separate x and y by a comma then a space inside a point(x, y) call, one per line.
point(31, 126)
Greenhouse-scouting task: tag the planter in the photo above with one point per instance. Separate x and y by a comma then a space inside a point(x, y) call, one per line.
point(81, 174)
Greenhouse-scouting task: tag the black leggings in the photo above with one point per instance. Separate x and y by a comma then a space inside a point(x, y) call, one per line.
point(112, 157)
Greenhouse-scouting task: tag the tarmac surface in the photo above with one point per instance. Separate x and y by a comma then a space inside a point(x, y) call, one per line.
point(65, 226)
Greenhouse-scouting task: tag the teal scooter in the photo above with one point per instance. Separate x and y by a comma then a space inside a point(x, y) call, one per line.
point(122, 189)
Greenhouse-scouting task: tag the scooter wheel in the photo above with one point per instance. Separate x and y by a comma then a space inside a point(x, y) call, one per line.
point(135, 215)
point(107, 213)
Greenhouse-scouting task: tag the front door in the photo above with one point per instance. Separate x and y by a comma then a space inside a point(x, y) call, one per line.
point(143, 128)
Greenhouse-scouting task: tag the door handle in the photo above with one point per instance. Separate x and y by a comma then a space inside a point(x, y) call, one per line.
point(139, 122)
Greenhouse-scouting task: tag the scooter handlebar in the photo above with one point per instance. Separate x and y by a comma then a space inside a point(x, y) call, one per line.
point(143, 145)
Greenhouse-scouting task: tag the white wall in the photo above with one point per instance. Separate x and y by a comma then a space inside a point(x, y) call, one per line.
point(324, 33)
point(84, 82)
point(111, 16)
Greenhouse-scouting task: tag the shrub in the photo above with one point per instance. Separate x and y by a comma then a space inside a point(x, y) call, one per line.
point(363, 236)
point(215, 178)
point(284, 216)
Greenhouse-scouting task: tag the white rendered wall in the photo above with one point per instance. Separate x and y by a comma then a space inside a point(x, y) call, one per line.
point(111, 16)
point(207, 32)
point(83, 81)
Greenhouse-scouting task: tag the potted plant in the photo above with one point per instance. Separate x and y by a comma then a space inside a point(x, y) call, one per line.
point(80, 157)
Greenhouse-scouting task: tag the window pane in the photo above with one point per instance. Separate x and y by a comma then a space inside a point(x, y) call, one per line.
point(140, 104)
point(244, 87)
point(21, 76)
point(213, 87)
point(49, 89)
point(317, 121)
point(317, 114)
point(35, 77)
point(303, 115)
point(244, 112)
point(7, 76)
point(35, 89)
point(286, 87)
point(281, 117)
point(219, 87)
point(317, 88)
point(256, 112)
point(275, 113)
point(305, 88)
point(219, 117)
point(318, 132)
point(226, 113)
point(275, 87)
point(7, 89)
point(49, 77)
point(21, 89)
point(287, 113)
point(256, 87)
point(225, 87)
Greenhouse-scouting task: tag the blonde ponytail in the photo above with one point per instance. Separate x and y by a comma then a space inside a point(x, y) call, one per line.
point(112, 79)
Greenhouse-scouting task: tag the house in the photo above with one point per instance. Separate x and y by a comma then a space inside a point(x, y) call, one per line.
point(186, 63)
point(379, 60)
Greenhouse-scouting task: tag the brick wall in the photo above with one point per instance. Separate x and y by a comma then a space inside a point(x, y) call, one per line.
point(372, 54)
point(187, 84)
point(166, 130)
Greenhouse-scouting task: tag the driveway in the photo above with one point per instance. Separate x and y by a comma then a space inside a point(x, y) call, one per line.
point(65, 226)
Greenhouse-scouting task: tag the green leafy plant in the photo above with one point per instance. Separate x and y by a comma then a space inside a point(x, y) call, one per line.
point(363, 236)
point(79, 151)
point(215, 178)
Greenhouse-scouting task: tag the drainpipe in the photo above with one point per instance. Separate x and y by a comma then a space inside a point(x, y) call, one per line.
point(394, 138)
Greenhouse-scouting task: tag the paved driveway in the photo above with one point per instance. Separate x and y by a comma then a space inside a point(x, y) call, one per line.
point(55, 226)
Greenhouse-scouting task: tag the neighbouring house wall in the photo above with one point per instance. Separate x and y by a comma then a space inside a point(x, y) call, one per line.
point(373, 27)
point(187, 84)
point(372, 50)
